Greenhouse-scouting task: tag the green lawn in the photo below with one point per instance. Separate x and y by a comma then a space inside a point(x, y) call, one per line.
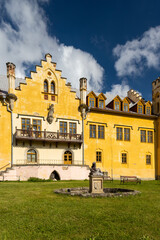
point(30, 210)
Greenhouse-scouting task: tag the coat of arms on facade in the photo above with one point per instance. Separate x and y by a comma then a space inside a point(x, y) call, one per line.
point(50, 114)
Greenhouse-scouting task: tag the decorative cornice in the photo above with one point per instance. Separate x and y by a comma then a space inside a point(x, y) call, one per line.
point(122, 126)
point(102, 123)
point(146, 128)
point(26, 115)
point(57, 119)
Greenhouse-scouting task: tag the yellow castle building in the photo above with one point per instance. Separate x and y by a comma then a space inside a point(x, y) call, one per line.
point(50, 130)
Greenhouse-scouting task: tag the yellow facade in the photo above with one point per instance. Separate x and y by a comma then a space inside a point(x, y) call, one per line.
point(31, 96)
point(5, 137)
point(53, 124)
point(112, 148)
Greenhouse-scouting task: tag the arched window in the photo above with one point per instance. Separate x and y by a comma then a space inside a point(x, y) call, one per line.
point(67, 157)
point(52, 87)
point(45, 86)
point(31, 156)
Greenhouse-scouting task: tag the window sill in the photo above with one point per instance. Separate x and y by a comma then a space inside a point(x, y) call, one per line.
point(48, 93)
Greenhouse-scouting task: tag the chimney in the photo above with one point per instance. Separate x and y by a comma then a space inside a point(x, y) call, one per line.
point(133, 95)
point(11, 77)
point(83, 89)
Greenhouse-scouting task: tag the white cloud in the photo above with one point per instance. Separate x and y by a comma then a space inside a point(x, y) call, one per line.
point(118, 89)
point(135, 56)
point(25, 40)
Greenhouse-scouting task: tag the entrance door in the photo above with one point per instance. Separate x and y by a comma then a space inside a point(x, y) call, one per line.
point(67, 157)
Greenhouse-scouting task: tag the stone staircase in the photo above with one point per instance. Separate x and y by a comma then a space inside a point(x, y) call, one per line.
point(9, 175)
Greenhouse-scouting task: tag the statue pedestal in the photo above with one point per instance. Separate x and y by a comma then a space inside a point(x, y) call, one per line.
point(95, 184)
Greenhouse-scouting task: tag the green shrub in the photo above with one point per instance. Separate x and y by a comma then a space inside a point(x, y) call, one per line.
point(34, 179)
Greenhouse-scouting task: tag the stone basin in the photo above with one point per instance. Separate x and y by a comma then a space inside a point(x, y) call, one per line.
point(107, 192)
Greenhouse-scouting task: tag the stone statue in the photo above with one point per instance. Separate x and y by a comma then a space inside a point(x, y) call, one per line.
point(95, 171)
point(50, 114)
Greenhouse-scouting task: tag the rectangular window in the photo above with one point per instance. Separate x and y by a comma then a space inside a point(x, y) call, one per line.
point(148, 159)
point(126, 134)
point(92, 131)
point(119, 133)
point(140, 108)
point(148, 110)
point(100, 131)
point(91, 102)
point(143, 135)
point(72, 128)
point(52, 98)
point(150, 136)
point(45, 97)
point(117, 106)
point(63, 127)
point(36, 125)
point(124, 157)
point(25, 123)
point(98, 156)
point(101, 104)
point(125, 107)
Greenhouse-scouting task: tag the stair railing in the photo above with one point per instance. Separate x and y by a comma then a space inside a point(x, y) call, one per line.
point(5, 166)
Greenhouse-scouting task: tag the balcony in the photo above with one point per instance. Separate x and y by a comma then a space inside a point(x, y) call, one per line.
point(22, 134)
point(48, 162)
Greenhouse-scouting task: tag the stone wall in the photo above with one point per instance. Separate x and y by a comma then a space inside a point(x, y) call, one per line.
point(64, 172)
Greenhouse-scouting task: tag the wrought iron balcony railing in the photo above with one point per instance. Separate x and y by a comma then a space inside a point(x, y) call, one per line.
point(48, 136)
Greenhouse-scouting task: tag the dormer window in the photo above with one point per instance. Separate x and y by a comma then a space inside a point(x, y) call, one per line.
point(125, 104)
point(91, 102)
point(101, 100)
point(140, 109)
point(52, 87)
point(148, 110)
point(125, 107)
point(101, 103)
point(117, 105)
point(45, 86)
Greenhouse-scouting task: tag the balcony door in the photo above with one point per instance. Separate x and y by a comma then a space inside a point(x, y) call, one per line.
point(36, 127)
point(67, 157)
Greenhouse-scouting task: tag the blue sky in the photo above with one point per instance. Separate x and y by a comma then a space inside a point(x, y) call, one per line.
point(114, 43)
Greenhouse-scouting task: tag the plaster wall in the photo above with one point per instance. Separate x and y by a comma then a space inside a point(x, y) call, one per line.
point(48, 154)
point(5, 137)
point(44, 172)
point(31, 104)
point(111, 148)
